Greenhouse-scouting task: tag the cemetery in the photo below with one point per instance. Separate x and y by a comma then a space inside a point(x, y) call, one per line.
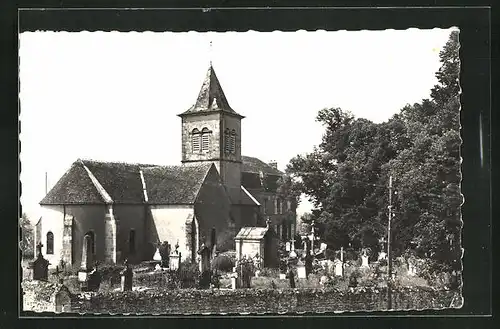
point(306, 279)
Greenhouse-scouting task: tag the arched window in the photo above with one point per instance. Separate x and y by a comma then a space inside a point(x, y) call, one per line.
point(91, 242)
point(50, 243)
point(195, 140)
point(131, 242)
point(227, 141)
point(233, 141)
point(205, 139)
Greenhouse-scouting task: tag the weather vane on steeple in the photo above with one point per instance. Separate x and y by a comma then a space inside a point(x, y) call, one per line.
point(210, 53)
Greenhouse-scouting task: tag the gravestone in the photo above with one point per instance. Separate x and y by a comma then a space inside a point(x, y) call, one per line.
point(287, 246)
point(40, 265)
point(257, 261)
point(62, 299)
point(364, 261)
point(86, 264)
point(205, 254)
point(174, 259)
point(330, 266)
point(322, 246)
point(234, 279)
point(157, 256)
point(164, 251)
point(308, 264)
point(323, 280)
point(338, 268)
point(365, 254)
point(301, 270)
point(126, 276)
point(382, 256)
point(94, 279)
point(412, 268)
point(291, 278)
point(282, 276)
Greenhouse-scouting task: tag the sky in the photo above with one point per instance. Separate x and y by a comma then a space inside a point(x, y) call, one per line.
point(114, 96)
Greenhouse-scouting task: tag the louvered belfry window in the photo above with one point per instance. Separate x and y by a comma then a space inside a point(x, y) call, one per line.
point(205, 139)
point(195, 140)
point(233, 141)
point(227, 142)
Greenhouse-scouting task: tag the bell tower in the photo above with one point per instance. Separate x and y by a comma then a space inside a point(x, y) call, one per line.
point(211, 132)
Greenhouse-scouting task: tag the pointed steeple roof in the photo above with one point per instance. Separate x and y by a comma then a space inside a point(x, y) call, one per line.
point(211, 97)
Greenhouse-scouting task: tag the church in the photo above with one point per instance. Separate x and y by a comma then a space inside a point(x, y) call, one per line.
point(128, 209)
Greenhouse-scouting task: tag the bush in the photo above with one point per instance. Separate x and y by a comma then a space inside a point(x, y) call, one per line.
point(223, 263)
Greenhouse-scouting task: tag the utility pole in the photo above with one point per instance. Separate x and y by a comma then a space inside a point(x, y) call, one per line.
point(46, 182)
point(389, 254)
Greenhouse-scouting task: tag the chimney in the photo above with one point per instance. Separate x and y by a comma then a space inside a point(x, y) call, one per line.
point(273, 164)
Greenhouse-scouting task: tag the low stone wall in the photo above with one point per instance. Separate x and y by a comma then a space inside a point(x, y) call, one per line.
point(49, 297)
point(40, 296)
point(261, 301)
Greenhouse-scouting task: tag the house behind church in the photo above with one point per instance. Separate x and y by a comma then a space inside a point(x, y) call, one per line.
point(127, 209)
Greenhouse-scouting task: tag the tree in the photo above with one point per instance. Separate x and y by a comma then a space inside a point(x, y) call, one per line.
point(27, 239)
point(346, 177)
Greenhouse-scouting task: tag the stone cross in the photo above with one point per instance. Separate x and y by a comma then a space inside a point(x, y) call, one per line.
point(40, 267)
point(126, 276)
point(57, 273)
point(39, 249)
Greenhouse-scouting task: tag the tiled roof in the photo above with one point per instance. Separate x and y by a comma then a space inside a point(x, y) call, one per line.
point(251, 180)
point(122, 182)
point(252, 233)
point(211, 97)
point(251, 164)
point(74, 187)
point(174, 184)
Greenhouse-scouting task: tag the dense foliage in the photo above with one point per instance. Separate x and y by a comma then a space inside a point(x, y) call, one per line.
point(27, 236)
point(346, 176)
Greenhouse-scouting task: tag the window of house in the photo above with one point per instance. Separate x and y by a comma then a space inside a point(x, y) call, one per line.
point(131, 242)
point(233, 141)
point(195, 140)
point(265, 206)
point(205, 139)
point(50, 243)
point(278, 206)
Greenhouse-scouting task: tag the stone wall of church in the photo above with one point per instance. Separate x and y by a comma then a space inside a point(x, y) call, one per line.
point(168, 223)
point(131, 226)
point(85, 218)
point(210, 121)
point(212, 210)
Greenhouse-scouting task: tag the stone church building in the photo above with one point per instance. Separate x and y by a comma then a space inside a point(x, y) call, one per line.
point(128, 209)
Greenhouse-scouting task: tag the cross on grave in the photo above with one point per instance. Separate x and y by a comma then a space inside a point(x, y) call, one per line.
point(39, 249)
point(57, 273)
